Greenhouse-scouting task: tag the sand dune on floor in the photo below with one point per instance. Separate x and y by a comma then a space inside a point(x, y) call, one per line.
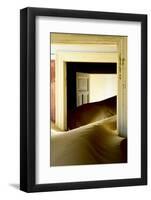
point(95, 143)
point(91, 112)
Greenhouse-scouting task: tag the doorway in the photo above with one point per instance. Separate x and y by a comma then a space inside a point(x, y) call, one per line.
point(89, 84)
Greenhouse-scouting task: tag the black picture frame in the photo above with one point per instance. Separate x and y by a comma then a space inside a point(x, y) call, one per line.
point(28, 99)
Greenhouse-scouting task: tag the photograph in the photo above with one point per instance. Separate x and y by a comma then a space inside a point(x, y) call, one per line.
point(88, 99)
point(83, 99)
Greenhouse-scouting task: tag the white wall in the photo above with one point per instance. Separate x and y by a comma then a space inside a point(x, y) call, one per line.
point(102, 86)
point(9, 100)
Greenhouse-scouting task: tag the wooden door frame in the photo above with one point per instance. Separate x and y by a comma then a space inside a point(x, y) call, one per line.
point(61, 86)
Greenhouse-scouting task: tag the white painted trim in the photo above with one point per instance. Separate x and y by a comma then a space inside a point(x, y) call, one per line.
point(103, 48)
point(61, 86)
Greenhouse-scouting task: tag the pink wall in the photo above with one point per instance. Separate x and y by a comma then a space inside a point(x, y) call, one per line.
point(52, 90)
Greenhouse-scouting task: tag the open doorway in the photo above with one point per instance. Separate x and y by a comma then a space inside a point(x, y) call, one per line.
point(91, 92)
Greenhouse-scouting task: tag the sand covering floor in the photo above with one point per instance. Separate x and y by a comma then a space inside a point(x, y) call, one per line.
point(95, 143)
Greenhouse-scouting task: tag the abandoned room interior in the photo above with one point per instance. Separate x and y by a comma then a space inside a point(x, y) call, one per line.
point(88, 99)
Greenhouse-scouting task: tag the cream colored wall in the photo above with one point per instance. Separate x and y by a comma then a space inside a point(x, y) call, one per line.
point(102, 86)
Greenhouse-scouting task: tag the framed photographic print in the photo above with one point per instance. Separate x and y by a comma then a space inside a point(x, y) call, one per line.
point(83, 99)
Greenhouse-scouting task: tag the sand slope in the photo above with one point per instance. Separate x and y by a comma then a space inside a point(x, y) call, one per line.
point(91, 112)
point(95, 143)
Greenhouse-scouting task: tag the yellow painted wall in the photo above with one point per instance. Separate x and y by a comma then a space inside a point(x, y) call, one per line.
point(102, 86)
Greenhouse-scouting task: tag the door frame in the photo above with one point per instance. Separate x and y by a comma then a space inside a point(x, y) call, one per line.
point(61, 83)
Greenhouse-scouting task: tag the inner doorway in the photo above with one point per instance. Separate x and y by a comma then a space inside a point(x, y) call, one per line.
point(89, 84)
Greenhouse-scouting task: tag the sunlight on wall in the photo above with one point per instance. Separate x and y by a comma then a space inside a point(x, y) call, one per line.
point(102, 86)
